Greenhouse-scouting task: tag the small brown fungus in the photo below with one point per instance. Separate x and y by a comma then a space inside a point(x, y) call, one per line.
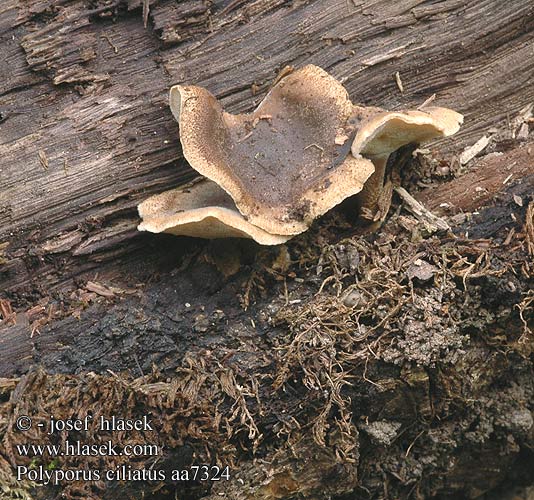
point(385, 132)
point(303, 150)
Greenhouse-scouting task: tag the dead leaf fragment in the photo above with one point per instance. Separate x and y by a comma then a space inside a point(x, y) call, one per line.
point(421, 270)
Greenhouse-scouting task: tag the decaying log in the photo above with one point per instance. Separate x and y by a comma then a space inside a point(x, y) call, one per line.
point(343, 375)
point(392, 365)
point(86, 133)
point(34, 336)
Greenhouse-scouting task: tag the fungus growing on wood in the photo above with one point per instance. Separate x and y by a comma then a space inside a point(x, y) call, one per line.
point(385, 132)
point(303, 150)
point(201, 210)
point(281, 164)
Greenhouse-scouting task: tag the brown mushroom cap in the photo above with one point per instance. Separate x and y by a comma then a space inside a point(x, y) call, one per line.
point(301, 152)
point(286, 163)
point(201, 210)
point(384, 132)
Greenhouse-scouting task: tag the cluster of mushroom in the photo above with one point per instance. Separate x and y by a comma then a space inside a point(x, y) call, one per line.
point(270, 173)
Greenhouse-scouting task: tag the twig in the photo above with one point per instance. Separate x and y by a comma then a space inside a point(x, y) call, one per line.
point(245, 137)
point(413, 442)
point(146, 11)
point(427, 102)
point(431, 222)
point(113, 46)
point(315, 145)
point(43, 159)
point(399, 82)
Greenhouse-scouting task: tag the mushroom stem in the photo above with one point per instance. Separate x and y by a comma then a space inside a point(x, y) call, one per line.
point(373, 206)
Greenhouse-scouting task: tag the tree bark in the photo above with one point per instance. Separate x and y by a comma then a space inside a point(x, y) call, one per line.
point(394, 365)
point(86, 133)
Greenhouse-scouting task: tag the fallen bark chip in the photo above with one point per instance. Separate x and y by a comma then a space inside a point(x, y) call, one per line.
point(469, 153)
point(99, 289)
point(303, 151)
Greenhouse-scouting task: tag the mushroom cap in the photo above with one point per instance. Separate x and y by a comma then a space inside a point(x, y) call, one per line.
point(201, 210)
point(384, 132)
point(284, 164)
point(272, 172)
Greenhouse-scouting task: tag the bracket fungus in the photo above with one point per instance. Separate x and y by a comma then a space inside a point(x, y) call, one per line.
point(270, 173)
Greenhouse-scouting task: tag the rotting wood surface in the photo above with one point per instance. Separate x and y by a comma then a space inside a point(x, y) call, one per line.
point(38, 335)
point(84, 92)
point(355, 355)
point(398, 364)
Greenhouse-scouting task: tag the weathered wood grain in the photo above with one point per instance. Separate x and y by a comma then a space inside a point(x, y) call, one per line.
point(465, 356)
point(86, 132)
point(488, 177)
